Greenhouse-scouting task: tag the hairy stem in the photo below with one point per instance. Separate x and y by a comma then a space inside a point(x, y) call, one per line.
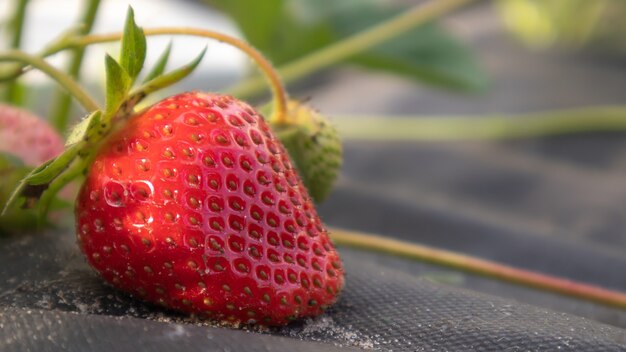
point(320, 59)
point(357, 43)
point(63, 79)
point(56, 186)
point(480, 267)
point(12, 93)
point(62, 101)
point(279, 93)
point(421, 128)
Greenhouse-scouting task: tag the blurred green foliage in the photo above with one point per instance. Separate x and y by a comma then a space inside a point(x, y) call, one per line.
point(18, 220)
point(287, 30)
point(12, 170)
point(597, 24)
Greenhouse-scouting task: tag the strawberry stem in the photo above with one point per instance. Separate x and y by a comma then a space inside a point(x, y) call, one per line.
point(278, 90)
point(357, 43)
point(479, 266)
point(61, 109)
point(490, 127)
point(17, 27)
point(55, 186)
point(63, 79)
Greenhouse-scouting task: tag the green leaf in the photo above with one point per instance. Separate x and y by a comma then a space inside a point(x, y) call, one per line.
point(258, 20)
point(296, 40)
point(426, 53)
point(159, 67)
point(310, 25)
point(133, 51)
point(80, 131)
point(281, 30)
point(429, 55)
point(168, 78)
point(118, 83)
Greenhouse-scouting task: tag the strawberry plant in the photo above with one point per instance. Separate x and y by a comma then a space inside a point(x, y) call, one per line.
point(200, 204)
point(192, 203)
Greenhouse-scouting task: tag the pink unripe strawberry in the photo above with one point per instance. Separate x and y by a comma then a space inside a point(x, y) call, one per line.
point(27, 137)
point(26, 141)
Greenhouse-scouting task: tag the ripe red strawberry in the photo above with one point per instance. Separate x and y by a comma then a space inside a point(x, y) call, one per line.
point(195, 205)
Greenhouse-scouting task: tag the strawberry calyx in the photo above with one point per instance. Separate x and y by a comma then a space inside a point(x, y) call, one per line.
point(314, 145)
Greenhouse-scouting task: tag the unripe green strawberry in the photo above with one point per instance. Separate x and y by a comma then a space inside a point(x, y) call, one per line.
point(314, 145)
point(195, 205)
